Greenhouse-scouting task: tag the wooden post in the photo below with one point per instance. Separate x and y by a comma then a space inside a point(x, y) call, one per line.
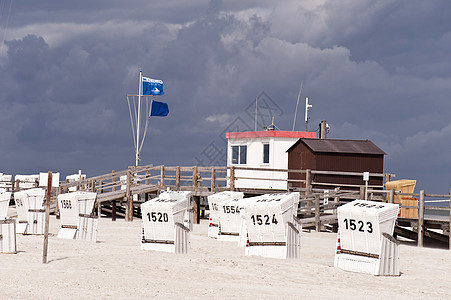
point(177, 178)
point(362, 192)
point(129, 198)
point(232, 178)
point(387, 177)
point(391, 198)
point(47, 217)
point(308, 181)
point(317, 216)
point(99, 205)
point(195, 174)
point(93, 185)
point(198, 178)
point(147, 177)
point(336, 199)
point(58, 192)
point(196, 218)
point(213, 179)
point(366, 190)
point(421, 219)
point(100, 189)
point(162, 176)
point(308, 188)
point(113, 203)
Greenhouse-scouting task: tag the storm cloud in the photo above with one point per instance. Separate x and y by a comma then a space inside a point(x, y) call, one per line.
point(377, 70)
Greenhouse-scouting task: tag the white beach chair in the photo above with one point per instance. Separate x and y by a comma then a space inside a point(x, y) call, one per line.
point(364, 241)
point(77, 222)
point(271, 229)
point(163, 227)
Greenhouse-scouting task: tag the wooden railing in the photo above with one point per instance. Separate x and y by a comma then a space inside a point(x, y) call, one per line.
point(160, 176)
point(203, 181)
point(308, 174)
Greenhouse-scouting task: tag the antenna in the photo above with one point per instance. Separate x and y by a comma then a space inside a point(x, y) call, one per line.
point(271, 127)
point(297, 103)
point(256, 114)
point(307, 106)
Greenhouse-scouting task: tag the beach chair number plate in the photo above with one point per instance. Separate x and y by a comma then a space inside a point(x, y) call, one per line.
point(359, 225)
point(228, 209)
point(157, 217)
point(264, 219)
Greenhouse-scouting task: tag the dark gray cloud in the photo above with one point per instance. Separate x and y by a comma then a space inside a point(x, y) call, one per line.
point(375, 70)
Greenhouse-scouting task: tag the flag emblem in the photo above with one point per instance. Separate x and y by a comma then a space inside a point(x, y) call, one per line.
point(152, 86)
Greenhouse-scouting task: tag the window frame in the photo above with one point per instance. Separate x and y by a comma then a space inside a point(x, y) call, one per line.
point(239, 155)
point(266, 154)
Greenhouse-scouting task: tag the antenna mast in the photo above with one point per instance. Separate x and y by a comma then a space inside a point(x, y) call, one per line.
point(256, 114)
point(297, 103)
point(307, 106)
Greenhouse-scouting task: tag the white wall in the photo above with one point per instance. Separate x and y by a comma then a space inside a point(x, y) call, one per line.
point(278, 159)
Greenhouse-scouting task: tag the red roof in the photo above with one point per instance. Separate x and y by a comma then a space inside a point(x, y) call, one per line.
point(270, 133)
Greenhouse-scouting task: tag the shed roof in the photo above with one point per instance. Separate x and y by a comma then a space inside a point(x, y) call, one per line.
point(340, 146)
point(270, 133)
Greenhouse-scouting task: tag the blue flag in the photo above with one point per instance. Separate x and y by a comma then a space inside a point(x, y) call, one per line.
point(152, 86)
point(159, 109)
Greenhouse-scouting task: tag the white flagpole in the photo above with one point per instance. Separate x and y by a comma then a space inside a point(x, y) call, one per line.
point(139, 116)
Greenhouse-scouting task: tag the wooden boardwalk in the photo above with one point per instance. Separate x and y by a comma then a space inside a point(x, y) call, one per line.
point(122, 192)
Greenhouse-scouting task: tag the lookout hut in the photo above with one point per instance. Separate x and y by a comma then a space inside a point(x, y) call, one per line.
point(261, 150)
point(335, 156)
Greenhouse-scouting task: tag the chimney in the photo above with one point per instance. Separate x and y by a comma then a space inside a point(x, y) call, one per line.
point(322, 129)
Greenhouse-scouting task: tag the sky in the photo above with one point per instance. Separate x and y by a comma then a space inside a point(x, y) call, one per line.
point(374, 69)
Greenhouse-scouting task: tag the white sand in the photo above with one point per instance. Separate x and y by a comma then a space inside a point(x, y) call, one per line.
point(115, 267)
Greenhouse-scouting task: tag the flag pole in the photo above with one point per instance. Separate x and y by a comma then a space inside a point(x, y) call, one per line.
point(139, 117)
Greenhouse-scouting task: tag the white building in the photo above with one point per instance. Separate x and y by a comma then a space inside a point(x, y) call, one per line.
point(265, 150)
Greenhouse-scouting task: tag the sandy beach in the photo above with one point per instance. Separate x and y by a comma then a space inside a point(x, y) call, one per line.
point(116, 268)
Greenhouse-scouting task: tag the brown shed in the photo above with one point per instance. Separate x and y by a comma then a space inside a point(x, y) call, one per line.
point(335, 155)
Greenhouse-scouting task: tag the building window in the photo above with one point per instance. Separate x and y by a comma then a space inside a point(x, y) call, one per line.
point(266, 153)
point(239, 155)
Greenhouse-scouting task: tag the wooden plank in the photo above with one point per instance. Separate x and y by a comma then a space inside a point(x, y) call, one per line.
point(129, 198)
point(346, 173)
point(317, 214)
point(270, 179)
point(232, 178)
point(162, 176)
point(392, 196)
point(113, 203)
point(413, 235)
point(213, 178)
point(436, 236)
point(437, 196)
point(177, 178)
point(196, 203)
point(326, 219)
point(410, 234)
point(195, 177)
point(421, 219)
point(348, 185)
point(47, 217)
